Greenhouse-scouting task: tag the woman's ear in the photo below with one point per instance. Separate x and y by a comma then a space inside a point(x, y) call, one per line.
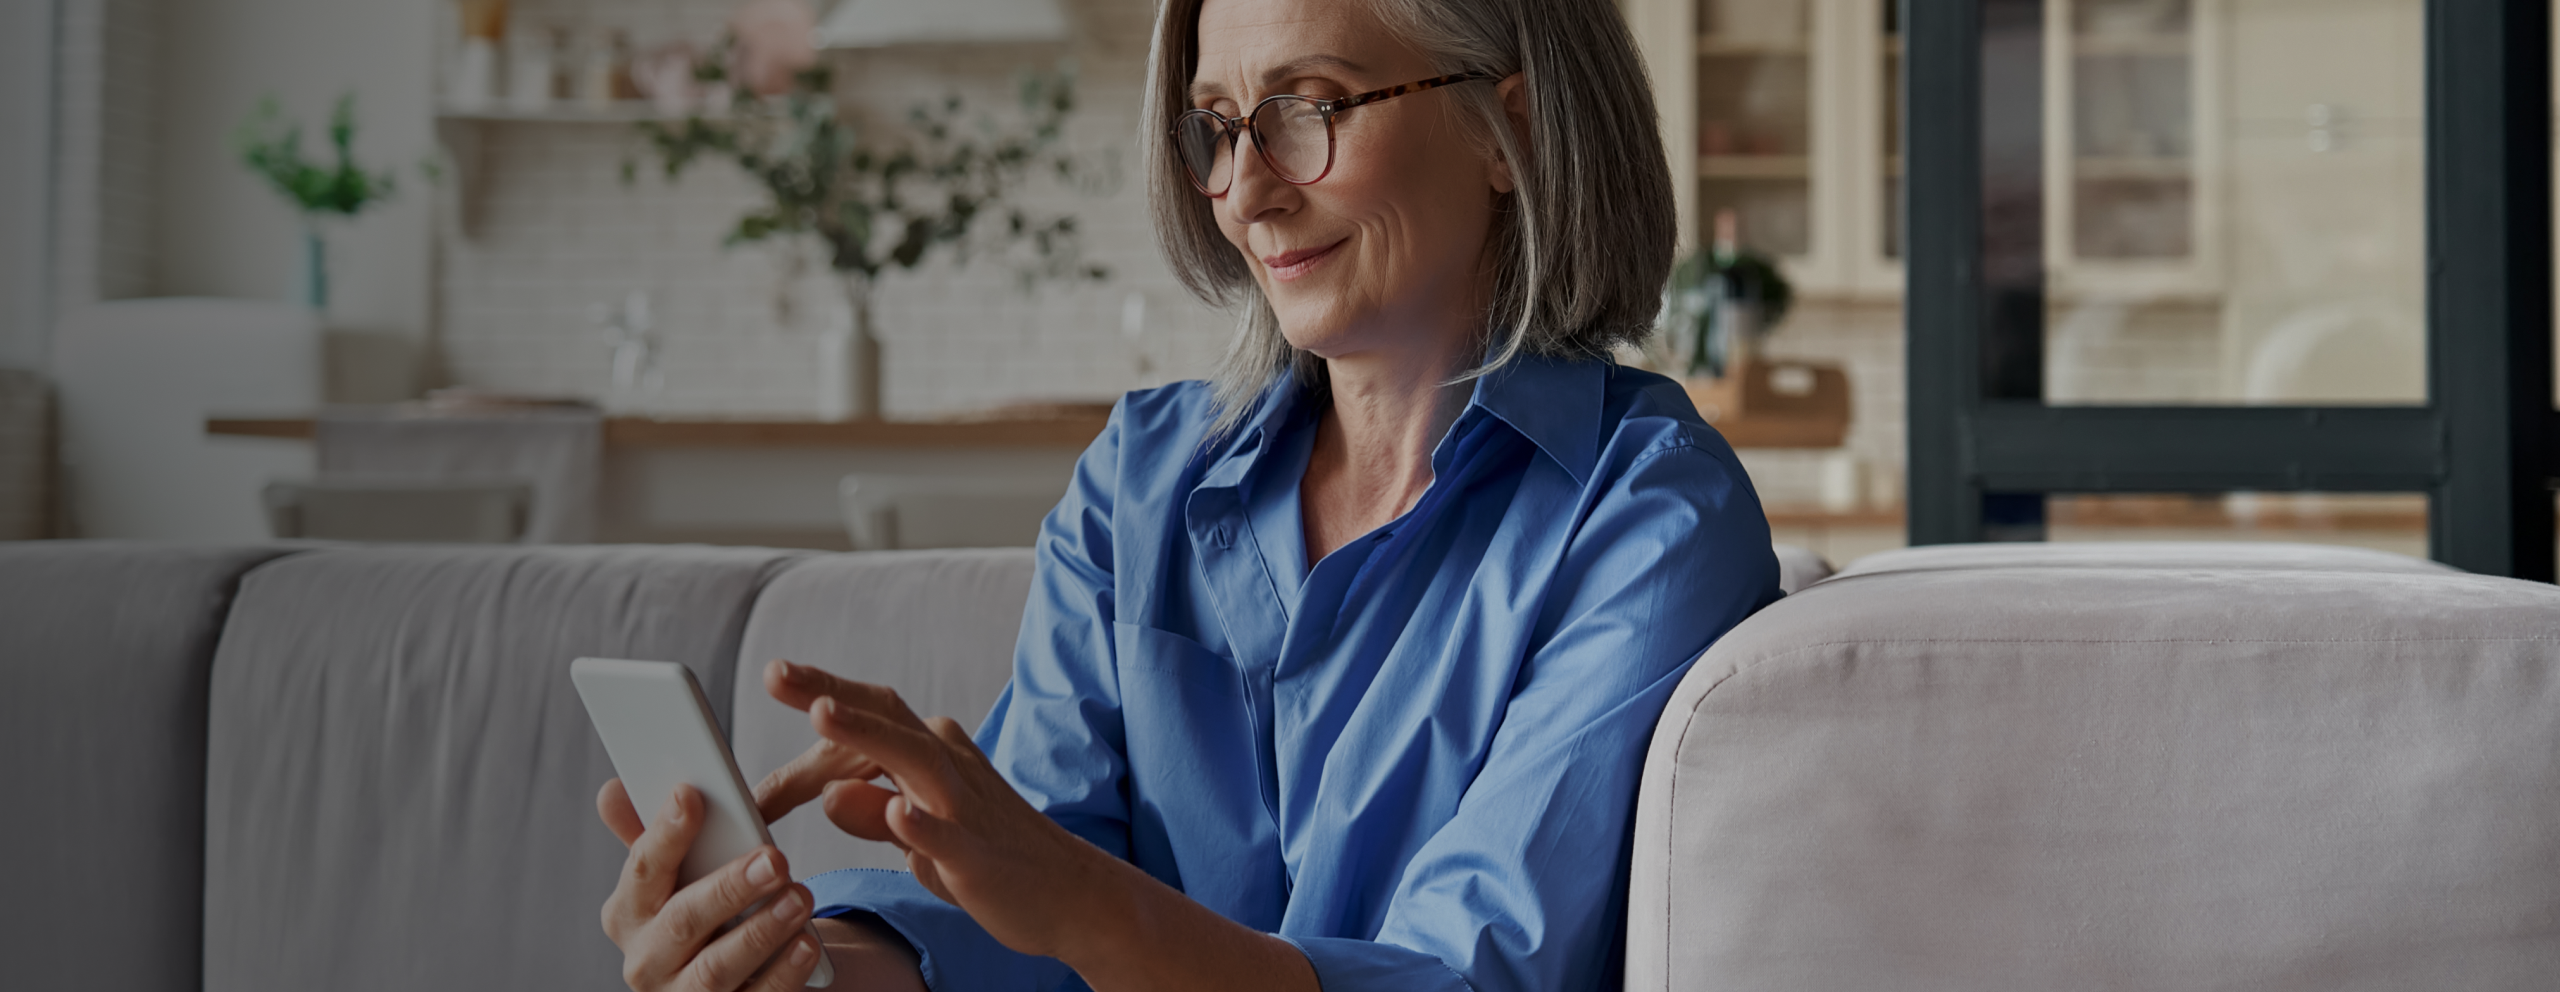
point(1514, 91)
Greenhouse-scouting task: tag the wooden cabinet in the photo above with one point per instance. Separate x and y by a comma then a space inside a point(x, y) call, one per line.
point(1785, 111)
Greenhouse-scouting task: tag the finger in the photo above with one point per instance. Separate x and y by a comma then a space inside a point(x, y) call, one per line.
point(804, 777)
point(860, 809)
point(695, 914)
point(734, 958)
point(787, 685)
point(918, 831)
point(788, 971)
point(649, 871)
point(801, 686)
point(913, 757)
point(613, 805)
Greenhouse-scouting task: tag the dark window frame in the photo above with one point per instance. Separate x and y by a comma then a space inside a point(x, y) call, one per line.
point(2486, 446)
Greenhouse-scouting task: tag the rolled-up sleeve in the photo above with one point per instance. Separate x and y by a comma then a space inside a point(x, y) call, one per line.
point(1055, 733)
point(1524, 888)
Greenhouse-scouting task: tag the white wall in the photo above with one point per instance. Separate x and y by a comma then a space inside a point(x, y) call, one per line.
point(105, 142)
point(219, 230)
point(26, 169)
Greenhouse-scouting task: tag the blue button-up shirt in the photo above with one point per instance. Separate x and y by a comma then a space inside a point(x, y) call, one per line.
point(1416, 760)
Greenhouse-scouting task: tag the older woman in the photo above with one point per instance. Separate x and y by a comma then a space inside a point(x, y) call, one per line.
point(1337, 671)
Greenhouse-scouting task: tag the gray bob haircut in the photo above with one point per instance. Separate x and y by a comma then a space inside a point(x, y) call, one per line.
point(1579, 249)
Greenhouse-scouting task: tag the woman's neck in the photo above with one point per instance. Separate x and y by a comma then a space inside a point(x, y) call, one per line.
point(1372, 455)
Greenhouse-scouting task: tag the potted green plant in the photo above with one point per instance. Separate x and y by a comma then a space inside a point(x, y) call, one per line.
point(877, 201)
point(272, 147)
point(1721, 301)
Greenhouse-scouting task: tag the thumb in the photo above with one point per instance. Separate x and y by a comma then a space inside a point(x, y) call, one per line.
point(929, 875)
point(613, 805)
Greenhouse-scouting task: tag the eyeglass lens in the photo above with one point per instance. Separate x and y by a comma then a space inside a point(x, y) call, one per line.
point(1289, 133)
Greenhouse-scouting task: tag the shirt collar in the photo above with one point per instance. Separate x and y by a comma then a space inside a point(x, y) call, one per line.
point(1553, 402)
point(1243, 447)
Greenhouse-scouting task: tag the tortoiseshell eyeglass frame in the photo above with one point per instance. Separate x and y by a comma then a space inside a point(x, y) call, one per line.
point(1231, 129)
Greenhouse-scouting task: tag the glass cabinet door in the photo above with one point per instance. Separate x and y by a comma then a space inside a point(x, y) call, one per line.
point(1755, 129)
point(2129, 84)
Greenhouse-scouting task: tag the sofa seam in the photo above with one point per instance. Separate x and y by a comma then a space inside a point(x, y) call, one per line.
point(1671, 816)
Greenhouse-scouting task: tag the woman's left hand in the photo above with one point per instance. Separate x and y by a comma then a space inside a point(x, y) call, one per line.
point(969, 837)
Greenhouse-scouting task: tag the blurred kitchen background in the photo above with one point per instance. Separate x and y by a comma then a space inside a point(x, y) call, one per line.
point(538, 336)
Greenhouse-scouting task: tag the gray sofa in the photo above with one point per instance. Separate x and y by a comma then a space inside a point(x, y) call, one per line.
point(2000, 767)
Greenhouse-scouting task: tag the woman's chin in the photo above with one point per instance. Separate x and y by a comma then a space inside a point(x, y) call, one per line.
point(1318, 330)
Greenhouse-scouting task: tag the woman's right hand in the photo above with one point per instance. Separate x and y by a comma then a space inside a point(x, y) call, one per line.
point(671, 938)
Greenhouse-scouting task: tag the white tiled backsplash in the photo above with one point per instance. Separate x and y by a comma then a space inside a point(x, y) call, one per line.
point(556, 231)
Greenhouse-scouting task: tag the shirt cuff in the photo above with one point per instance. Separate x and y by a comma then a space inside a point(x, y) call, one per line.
point(957, 954)
point(1346, 965)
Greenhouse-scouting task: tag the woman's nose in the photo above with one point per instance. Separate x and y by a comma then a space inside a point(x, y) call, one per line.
point(1257, 193)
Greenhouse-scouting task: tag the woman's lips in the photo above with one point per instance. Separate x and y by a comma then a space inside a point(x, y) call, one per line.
point(1288, 266)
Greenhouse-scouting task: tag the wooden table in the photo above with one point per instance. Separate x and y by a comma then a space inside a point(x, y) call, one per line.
point(651, 432)
point(773, 482)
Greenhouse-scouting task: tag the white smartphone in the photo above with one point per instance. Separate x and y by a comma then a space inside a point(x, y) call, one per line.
point(658, 728)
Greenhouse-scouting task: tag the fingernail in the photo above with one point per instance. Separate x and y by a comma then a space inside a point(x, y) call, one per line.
point(788, 907)
point(802, 953)
point(760, 871)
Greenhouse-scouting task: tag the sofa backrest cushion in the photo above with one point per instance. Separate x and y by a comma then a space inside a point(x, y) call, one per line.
point(401, 777)
point(105, 648)
point(2039, 778)
point(1798, 567)
point(938, 626)
point(2259, 556)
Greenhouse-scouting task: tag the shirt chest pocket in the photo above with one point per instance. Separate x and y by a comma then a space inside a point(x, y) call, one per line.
point(1198, 731)
point(1178, 694)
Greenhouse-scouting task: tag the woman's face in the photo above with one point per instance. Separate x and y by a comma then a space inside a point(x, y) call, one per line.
point(1385, 253)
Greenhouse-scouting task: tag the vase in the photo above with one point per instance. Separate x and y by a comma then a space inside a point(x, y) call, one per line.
point(849, 357)
point(311, 277)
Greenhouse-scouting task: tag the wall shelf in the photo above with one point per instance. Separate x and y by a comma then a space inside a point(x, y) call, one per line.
point(2158, 46)
point(2153, 167)
point(1712, 46)
point(1754, 166)
point(565, 112)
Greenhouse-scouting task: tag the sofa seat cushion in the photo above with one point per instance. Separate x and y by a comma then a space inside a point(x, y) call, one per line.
point(2070, 777)
point(938, 626)
point(2174, 555)
point(105, 651)
point(401, 776)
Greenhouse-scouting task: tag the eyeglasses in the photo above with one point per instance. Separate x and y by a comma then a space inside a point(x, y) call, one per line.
point(1293, 134)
